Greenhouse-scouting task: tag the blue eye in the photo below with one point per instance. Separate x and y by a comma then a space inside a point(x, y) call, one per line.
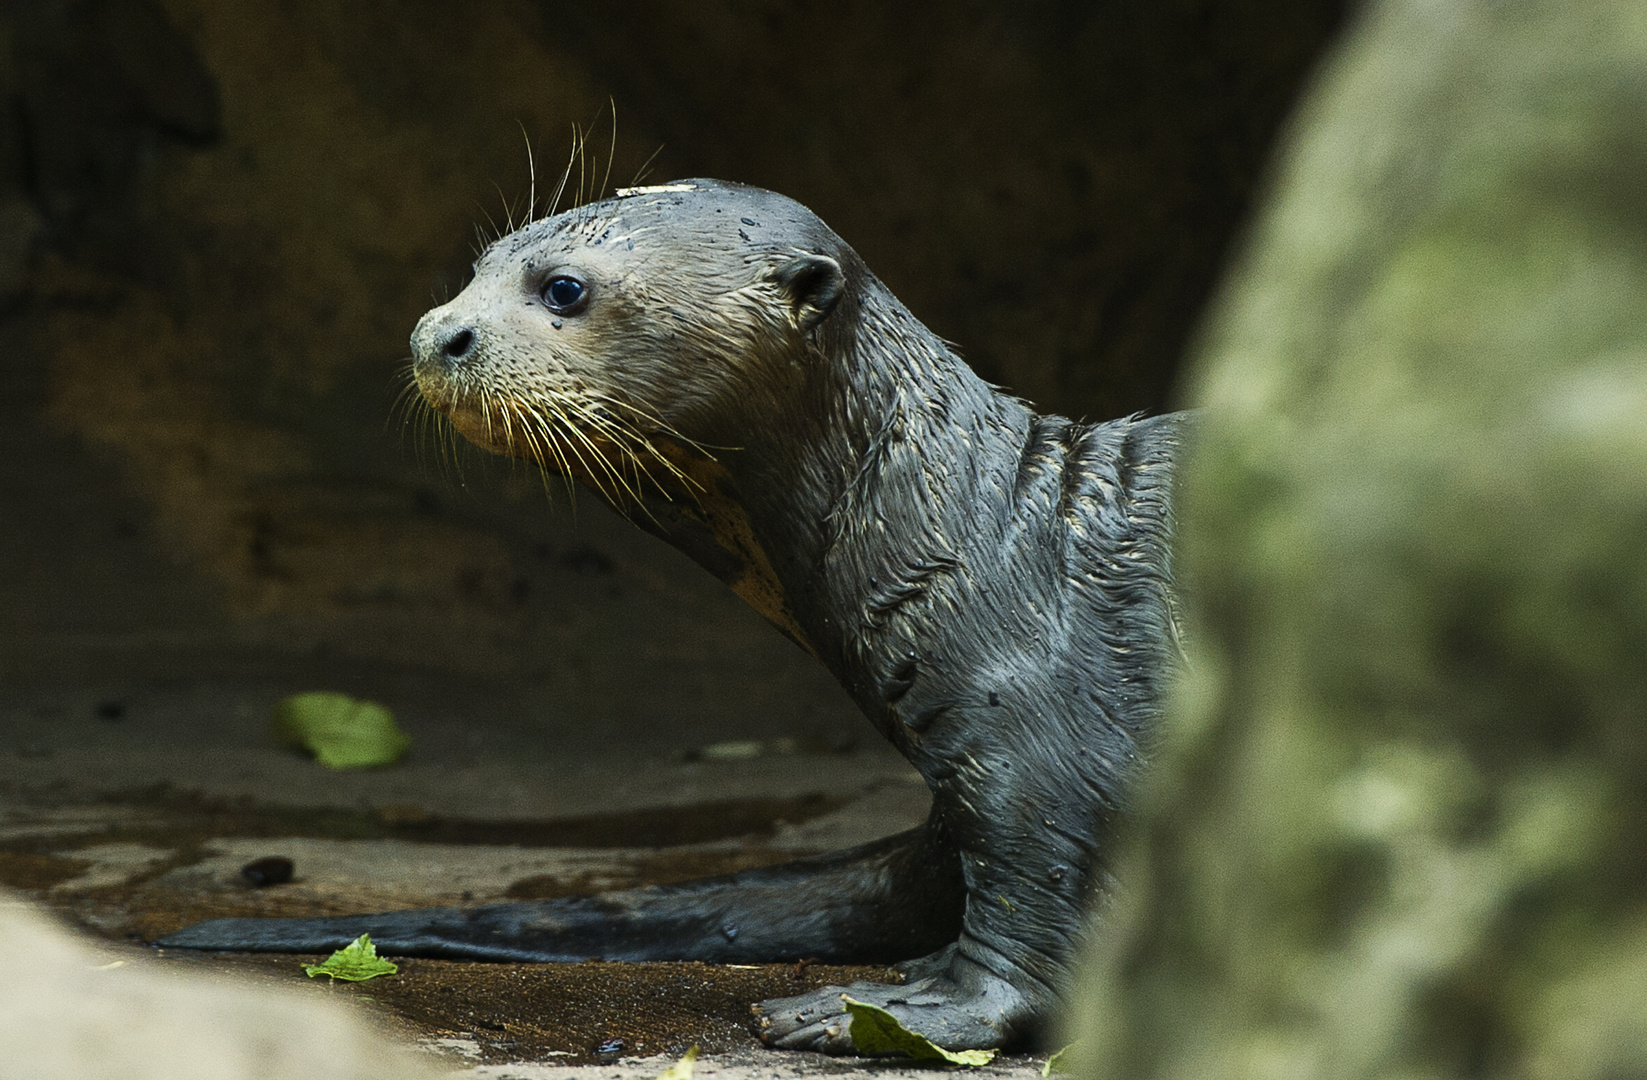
point(563, 294)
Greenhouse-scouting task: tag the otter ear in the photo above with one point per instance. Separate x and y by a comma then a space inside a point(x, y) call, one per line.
point(812, 284)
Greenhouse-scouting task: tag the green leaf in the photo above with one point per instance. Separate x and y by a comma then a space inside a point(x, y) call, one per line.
point(1058, 1062)
point(355, 962)
point(682, 1069)
point(876, 1031)
point(340, 731)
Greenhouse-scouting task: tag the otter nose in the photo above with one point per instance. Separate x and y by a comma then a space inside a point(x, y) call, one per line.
point(439, 340)
point(457, 343)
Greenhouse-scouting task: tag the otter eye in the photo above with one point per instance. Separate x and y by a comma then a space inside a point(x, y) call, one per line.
point(563, 294)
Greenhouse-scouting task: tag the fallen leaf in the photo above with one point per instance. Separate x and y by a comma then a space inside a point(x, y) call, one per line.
point(1058, 1062)
point(355, 962)
point(682, 1069)
point(876, 1031)
point(341, 732)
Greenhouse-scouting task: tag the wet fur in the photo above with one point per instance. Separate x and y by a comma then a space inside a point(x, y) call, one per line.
point(991, 585)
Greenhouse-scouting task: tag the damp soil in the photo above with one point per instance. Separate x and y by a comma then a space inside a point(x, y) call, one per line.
point(27, 870)
point(650, 846)
point(149, 906)
point(163, 816)
point(575, 1014)
point(588, 1013)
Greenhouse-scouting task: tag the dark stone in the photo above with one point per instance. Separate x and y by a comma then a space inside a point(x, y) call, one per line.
point(269, 870)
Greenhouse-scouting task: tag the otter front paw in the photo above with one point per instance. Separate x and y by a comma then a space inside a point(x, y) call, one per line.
point(936, 1007)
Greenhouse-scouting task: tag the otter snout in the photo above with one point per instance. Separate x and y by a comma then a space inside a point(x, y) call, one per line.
point(440, 342)
point(440, 339)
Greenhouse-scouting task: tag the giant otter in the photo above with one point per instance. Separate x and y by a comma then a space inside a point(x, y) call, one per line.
point(992, 586)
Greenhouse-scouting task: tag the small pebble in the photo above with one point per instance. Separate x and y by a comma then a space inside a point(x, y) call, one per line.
point(269, 870)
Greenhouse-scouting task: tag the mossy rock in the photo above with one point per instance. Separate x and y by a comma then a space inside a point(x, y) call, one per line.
point(1398, 827)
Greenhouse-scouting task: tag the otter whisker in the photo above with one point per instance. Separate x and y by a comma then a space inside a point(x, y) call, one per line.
point(486, 416)
point(485, 240)
point(429, 432)
point(640, 173)
point(534, 445)
point(513, 417)
point(583, 163)
point(454, 437)
point(406, 399)
point(537, 448)
point(549, 433)
point(446, 437)
point(590, 476)
point(663, 426)
point(416, 419)
point(508, 208)
point(432, 431)
point(531, 176)
point(619, 440)
point(559, 402)
point(541, 436)
point(690, 482)
point(666, 428)
point(536, 429)
point(548, 425)
point(643, 474)
point(440, 431)
point(621, 435)
point(605, 426)
point(567, 477)
point(575, 432)
point(617, 476)
point(566, 174)
point(409, 412)
point(508, 416)
point(611, 150)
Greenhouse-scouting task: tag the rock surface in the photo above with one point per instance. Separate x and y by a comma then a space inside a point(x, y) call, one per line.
point(1397, 828)
point(69, 1011)
point(220, 221)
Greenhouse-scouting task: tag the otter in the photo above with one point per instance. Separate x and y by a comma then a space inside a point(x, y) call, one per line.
point(992, 586)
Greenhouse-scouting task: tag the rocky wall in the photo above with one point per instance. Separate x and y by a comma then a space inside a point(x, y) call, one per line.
point(219, 220)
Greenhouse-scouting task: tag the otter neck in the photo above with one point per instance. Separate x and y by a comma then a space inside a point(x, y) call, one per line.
point(883, 419)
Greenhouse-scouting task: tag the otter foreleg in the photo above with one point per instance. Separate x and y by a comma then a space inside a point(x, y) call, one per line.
point(888, 900)
point(1028, 821)
point(947, 997)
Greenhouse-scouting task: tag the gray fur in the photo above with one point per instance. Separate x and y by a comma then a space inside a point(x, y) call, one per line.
point(992, 586)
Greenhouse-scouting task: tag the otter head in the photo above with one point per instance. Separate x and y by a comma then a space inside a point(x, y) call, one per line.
point(608, 341)
point(624, 342)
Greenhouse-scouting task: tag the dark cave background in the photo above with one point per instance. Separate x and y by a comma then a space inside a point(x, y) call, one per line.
point(220, 220)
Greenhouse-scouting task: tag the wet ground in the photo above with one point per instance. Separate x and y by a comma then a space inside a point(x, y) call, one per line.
point(574, 1014)
point(131, 866)
point(667, 734)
